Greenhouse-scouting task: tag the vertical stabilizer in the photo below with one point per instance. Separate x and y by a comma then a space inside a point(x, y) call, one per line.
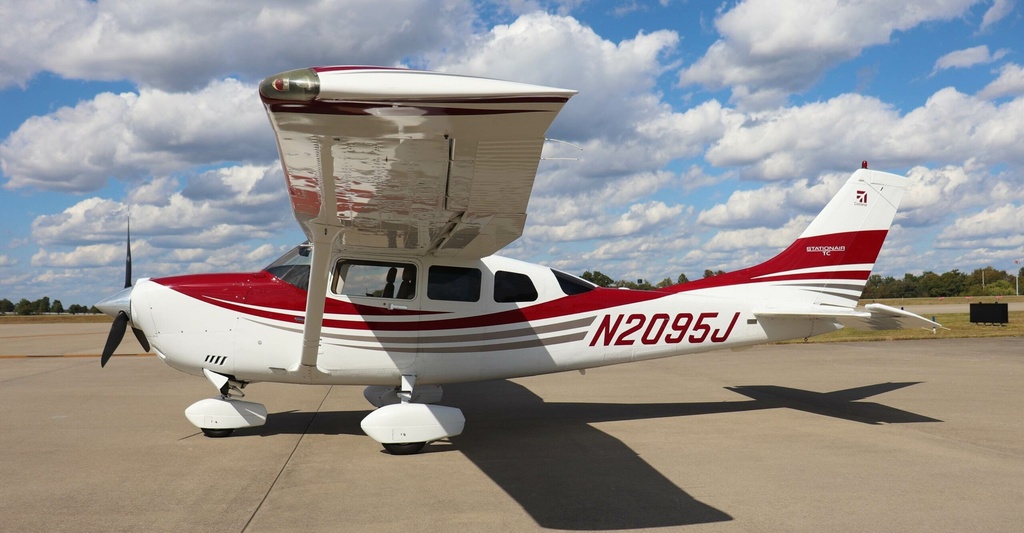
point(830, 262)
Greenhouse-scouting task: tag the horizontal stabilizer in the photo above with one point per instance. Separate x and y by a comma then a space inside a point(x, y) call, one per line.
point(872, 317)
point(885, 317)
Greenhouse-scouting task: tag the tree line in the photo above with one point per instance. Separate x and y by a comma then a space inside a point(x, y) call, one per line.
point(981, 282)
point(42, 306)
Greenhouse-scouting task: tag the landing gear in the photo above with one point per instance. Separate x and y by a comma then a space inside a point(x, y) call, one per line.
point(217, 433)
point(219, 417)
point(405, 428)
point(381, 395)
point(407, 448)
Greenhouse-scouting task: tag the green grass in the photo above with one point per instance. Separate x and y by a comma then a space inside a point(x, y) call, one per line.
point(952, 300)
point(954, 326)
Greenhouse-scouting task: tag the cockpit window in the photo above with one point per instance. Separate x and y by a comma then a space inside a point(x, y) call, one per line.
point(571, 284)
point(293, 267)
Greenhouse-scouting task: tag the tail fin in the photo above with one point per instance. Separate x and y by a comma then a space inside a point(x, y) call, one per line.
point(830, 262)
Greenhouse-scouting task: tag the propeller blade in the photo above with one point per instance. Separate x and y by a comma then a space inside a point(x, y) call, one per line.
point(114, 337)
point(128, 258)
point(142, 338)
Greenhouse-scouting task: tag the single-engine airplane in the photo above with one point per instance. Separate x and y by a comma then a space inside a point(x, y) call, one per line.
point(406, 183)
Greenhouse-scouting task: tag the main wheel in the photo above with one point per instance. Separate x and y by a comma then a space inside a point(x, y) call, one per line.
point(216, 433)
point(405, 448)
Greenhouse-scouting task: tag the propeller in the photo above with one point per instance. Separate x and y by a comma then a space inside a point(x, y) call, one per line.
point(121, 303)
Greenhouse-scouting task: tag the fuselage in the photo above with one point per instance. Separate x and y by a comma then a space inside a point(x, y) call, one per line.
point(443, 321)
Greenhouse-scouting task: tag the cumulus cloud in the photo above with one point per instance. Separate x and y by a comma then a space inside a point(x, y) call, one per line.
point(223, 228)
point(772, 48)
point(998, 11)
point(91, 255)
point(637, 218)
point(246, 206)
point(968, 57)
point(1009, 83)
point(759, 237)
point(773, 204)
point(936, 192)
point(178, 45)
point(615, 80)
point(129, 135)
point(798, 141)
point(994, 227)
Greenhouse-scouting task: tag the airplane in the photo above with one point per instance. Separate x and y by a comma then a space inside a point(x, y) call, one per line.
point(406, 184)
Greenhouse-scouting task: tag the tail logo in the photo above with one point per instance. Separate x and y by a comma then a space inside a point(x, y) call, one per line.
point(862, 198)
point(825, 250)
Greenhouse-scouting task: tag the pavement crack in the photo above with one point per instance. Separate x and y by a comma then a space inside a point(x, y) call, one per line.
point(286, 461)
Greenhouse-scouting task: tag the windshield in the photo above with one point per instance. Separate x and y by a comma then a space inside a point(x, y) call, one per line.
point(293, 267)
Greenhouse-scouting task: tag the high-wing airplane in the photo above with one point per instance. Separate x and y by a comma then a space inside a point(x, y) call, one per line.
point(406, 183)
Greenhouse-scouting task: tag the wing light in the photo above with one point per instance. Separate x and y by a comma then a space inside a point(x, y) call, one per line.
point(301, 85)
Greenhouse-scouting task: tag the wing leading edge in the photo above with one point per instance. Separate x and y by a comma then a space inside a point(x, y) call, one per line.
point(409, 162)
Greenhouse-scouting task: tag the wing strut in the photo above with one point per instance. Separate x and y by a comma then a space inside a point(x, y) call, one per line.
point(323, 230)
point(317, 292)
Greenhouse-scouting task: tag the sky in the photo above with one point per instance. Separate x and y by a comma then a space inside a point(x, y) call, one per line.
point(711, 132)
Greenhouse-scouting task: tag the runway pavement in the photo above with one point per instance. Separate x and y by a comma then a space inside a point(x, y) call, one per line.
point(919, 436)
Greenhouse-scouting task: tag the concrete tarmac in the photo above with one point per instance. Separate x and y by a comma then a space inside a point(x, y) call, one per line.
point(884, 436)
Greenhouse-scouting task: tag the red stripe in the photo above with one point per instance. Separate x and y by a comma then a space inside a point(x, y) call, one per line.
point(236, 292)
point(857, 275)
point(860, 247)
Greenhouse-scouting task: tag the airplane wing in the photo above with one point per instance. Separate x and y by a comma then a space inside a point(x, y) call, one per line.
point(406, 162)
point(872, 317)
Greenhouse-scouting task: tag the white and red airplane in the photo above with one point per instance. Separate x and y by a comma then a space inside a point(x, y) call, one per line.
point(405, 183)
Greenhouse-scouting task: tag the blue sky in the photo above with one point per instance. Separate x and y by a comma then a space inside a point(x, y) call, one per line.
point(712, 132)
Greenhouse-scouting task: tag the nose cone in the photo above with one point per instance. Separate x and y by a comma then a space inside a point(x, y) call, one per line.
point(121, 301)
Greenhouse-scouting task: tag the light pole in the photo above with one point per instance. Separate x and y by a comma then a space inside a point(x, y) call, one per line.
point(1017, 262)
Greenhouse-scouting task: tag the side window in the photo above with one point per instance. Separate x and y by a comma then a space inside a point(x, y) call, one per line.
point(375, 279)
point(571, 284)
point(513, 287)
point(455, 284)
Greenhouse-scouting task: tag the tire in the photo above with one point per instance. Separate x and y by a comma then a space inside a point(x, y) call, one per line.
point(406, 448)
point(216, 433)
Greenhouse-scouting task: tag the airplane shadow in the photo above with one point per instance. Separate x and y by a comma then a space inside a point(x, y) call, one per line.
point(564, 472)
point(569, 475)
